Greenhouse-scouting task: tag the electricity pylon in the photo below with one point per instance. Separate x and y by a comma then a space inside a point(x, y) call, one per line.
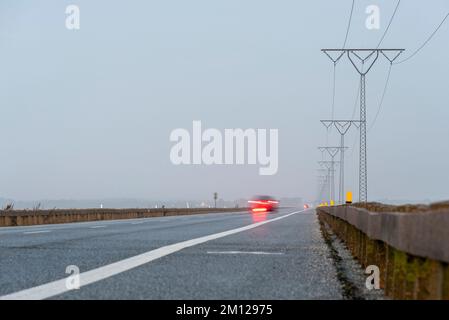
point(327, 165)
point(323, 184)
point(357, 53)
point(330, 166)
point(342, 126)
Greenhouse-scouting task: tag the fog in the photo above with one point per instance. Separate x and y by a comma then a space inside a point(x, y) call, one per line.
point(88, 113)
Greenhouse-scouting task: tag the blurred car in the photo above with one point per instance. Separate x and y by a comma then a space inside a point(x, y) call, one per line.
point(263, 204)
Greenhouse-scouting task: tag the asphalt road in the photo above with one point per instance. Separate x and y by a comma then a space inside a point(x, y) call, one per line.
point(274, 256)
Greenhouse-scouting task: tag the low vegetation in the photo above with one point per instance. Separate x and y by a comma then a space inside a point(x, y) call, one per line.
point(380, 207)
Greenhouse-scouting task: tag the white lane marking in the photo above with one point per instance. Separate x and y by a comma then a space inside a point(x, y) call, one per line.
point(96, 227)
point(245, 252)
point(37, 231)
point(59, 286)
point(137, 222)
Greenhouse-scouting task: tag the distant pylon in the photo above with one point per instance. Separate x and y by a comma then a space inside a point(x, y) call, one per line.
point(357, 53)
point(323, 184)
point(342, 127)
point(330, 166)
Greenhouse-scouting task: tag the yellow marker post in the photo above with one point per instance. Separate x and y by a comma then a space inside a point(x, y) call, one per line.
point(332, 202)
point(348, 197)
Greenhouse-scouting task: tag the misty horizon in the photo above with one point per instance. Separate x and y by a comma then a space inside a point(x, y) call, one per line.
point(88, 113)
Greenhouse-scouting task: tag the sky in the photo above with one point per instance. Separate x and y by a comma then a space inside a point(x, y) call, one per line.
point(88, 113)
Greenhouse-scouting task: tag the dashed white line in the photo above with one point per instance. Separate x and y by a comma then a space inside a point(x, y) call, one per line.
point(245, 252)
point(37, 231)
point(59, 286)
point(96, 227)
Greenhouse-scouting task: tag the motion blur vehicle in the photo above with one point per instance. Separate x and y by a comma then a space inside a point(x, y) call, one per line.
point(263, 204)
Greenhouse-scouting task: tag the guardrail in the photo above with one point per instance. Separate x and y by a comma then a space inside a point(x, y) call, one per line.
point(11, 218)
point(411, 249)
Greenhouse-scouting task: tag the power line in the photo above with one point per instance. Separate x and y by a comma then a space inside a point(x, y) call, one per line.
point(356, 99)
point(413, 54)
point(391, 55)
point(386, 82)
point(344, 45)
point(355, 102)
point(382, 98)
point(389, 70)
point(349, 24)
point(342, 126)
point(378, 45)
point(333, 103)
point(335, 60)
point(425, 42)
point(333, 93)
point(334, 70)
point(389, 23)
point(353, 145)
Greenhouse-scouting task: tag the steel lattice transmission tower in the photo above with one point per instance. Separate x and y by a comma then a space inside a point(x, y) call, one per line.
point(323, 185)
point(370, 57)
point(342, 127)
point(330, 166)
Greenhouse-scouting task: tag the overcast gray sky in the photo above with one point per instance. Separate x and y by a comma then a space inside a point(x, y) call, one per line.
point(88, 113)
